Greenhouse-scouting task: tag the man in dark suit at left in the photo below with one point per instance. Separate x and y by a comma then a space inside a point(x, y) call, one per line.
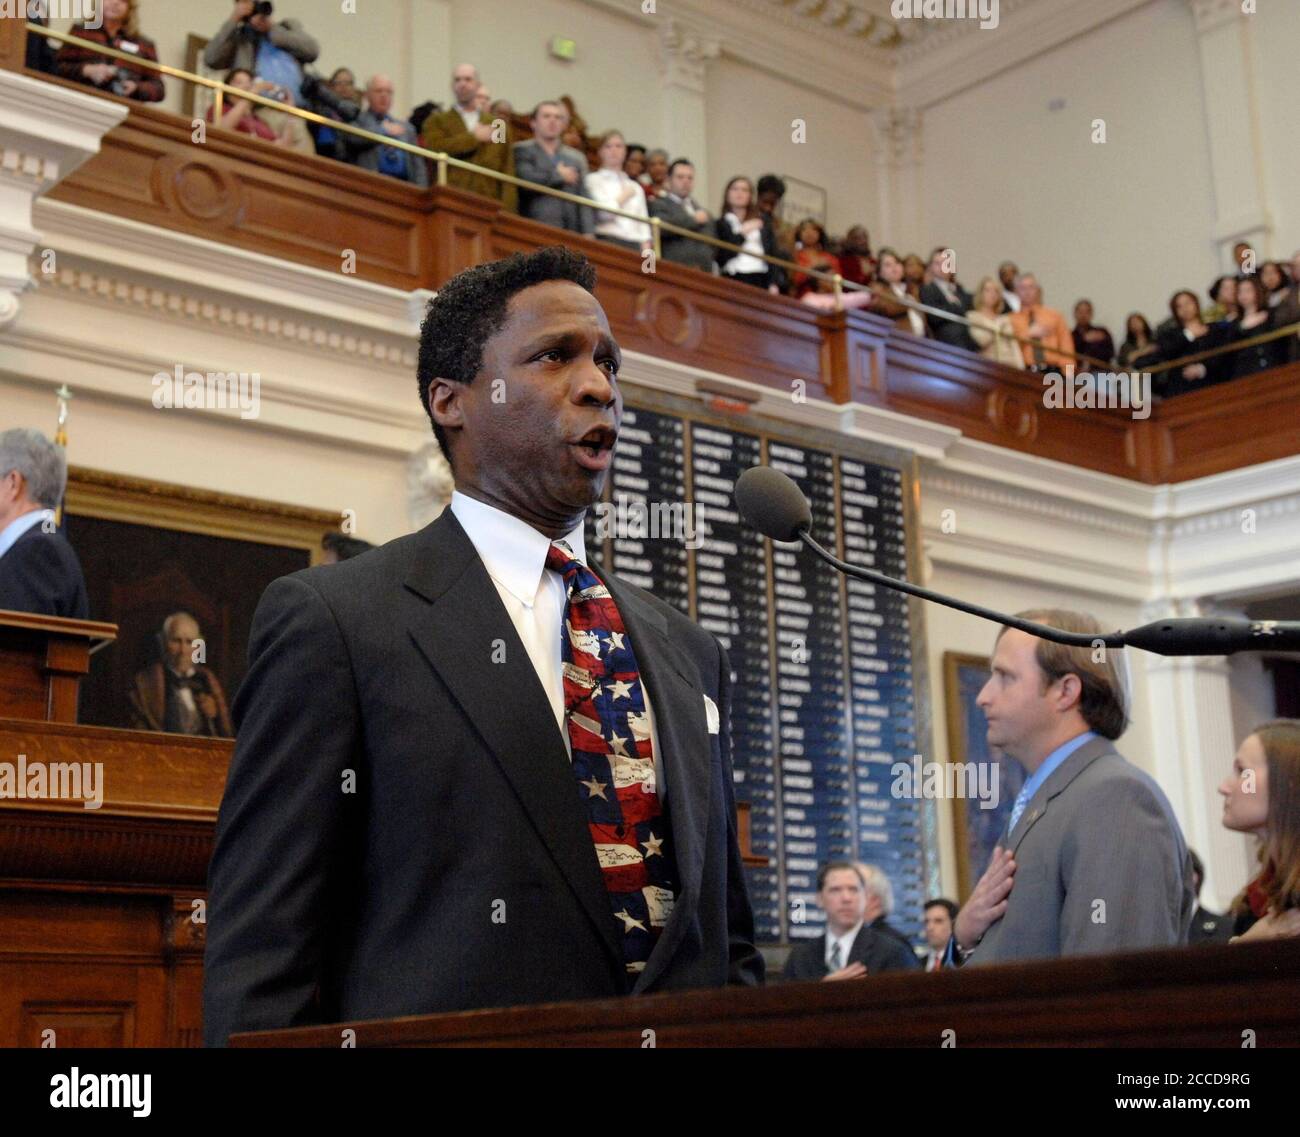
point(39, 572)
point(474, 768)
point(850, 948)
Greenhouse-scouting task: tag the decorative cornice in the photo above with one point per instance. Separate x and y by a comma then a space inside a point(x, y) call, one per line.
point(243, 319)
point(1019, 500)
point(1211, 14)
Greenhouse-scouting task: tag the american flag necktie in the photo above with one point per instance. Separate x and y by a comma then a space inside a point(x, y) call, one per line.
point(613, 759)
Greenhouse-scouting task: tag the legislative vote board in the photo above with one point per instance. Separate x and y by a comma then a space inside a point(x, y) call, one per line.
point(824, 696)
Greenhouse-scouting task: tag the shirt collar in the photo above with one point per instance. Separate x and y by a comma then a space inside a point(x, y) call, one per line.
point(846, 939)
point(19, 525)
point(512, 551)
point(1053, 762)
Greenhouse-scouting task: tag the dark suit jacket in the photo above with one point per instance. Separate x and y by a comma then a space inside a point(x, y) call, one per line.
point(948, 331)
point(41, 573)
point(459, 871)
point(876, 951)
point(682, 250)
point(723, 231)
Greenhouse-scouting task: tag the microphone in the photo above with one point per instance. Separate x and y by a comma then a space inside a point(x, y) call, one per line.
point(772, 503)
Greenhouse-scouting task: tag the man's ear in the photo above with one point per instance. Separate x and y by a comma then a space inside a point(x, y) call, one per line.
point(445, 403)
point(1071, 691)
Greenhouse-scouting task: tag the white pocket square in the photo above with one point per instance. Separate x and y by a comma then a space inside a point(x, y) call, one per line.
point(711, 714)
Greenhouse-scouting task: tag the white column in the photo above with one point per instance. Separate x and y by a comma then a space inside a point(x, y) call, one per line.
point(683, 56)
point(898, 175)
point(1230, 89)
point(46, 132)
point(1190, 701)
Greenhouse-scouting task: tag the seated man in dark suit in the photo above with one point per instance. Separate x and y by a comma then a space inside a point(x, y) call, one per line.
point(944, 292)
point(1207, 927)
point(474, 768)
point(39, 572)
point(849, 948)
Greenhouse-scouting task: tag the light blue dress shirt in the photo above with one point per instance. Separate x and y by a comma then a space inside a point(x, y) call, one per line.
point(19, 525)
point(1050, 764)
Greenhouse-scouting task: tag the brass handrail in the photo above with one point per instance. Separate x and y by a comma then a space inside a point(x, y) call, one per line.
point(657, 225)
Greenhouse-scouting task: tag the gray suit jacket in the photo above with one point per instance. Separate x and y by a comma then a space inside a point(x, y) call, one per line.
point(1099, 829)
point(534, 164)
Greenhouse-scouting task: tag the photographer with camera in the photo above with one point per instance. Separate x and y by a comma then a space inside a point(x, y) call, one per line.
point(275, 52)
point(119, 30)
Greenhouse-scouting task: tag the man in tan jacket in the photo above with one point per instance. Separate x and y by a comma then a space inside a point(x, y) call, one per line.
point(466, 132)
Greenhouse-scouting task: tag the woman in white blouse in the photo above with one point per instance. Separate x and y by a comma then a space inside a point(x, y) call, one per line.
point(611, 187)
point(990, 327)
point(749, 229)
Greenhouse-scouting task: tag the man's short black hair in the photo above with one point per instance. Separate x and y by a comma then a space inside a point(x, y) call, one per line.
point(343, 546)
point(680, 162)
point(944, 903)
point(471, 307)
point(770, 183)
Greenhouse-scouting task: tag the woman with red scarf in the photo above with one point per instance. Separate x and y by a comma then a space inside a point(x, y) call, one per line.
point(1262, 796)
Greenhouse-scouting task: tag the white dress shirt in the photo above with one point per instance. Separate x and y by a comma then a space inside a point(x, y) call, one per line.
point(914, 318)
point(846, 943)
point(605, 187)
point(1013, 301)
point(469, 117)
point(514, 554)
point(747, 261)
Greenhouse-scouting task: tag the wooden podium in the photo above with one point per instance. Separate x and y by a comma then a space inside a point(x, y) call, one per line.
point(1209, 996)
point(42, 660)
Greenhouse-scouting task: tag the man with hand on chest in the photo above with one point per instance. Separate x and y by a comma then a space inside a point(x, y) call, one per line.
point(473, 767)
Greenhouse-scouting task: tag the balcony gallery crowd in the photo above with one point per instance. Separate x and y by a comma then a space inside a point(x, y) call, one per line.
point(1004, 318)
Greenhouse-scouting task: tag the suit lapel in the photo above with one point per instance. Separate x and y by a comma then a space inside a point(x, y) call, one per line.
point(1061, 777)
point(456, 634)
point(673, 684)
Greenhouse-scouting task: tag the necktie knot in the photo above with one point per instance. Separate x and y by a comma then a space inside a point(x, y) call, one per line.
point(560, 558)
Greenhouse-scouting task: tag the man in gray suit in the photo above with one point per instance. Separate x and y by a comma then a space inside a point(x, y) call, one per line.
point(1092, 859)
point(544, 159)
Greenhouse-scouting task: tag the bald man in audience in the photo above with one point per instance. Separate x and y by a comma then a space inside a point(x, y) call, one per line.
point(378, 118)
point(1036, 321)
point(468, 132)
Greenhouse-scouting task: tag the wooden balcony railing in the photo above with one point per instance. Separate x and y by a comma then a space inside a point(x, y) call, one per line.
point(242, 192)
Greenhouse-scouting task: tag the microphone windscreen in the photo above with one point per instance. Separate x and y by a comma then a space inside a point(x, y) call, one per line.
point(772, 503)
